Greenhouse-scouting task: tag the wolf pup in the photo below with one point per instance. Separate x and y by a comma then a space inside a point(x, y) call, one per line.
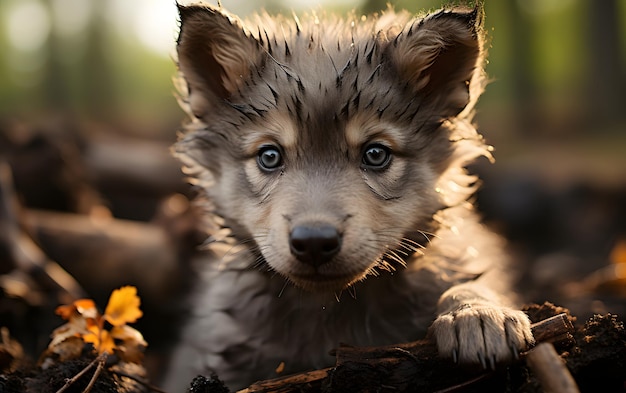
point(331, 152)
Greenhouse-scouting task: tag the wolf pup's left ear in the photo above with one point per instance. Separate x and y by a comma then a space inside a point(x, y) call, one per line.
point(441, 57)
point(215, 55)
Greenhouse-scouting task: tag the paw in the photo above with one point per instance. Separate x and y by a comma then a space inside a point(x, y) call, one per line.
point(482, 334)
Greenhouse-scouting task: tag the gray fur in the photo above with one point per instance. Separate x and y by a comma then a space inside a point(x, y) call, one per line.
point(321, 89)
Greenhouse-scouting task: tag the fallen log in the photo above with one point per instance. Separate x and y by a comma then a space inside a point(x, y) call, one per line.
point(141, 165)
point(103, 252)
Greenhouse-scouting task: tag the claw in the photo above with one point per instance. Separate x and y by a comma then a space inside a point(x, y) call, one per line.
point(483, 361)
point(492, 363)
point(455, 356)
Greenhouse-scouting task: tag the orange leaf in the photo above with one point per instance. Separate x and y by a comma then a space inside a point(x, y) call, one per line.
point(123, 306)
point(84, 307)
point(100, 338)
point(87, 308)
point(66, 311)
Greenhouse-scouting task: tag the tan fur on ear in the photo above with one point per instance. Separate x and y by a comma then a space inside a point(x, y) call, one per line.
point(440, 55)
point(215, 54)
point(415, 57)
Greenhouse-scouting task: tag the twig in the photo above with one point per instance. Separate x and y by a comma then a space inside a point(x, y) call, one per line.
point(287, 383)
point(555, 329)
point(101, 358)
point(96, 374)
point(550, 369)
point(138, 380)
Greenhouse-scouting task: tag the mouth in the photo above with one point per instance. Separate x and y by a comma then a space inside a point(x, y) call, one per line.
point(317, 282)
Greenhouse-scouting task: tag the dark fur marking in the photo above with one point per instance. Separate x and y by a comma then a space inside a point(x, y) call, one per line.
point(287, 51)
point(300, 85)
point(298, 108)
point(269, 45)
point(374, 73)
point(356, 100)
point(241, 108)
point(274, 93)
point(369, 55)
point(345, 110)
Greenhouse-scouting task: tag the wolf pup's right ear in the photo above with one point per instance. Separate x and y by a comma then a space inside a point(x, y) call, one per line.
point(215, 55)
point(441, 57)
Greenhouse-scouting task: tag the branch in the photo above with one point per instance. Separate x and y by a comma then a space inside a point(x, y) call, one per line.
point(550, 369)
point(96, 373)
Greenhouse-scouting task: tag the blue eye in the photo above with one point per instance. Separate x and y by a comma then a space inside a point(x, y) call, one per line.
point(269, 158)
point(376, 156)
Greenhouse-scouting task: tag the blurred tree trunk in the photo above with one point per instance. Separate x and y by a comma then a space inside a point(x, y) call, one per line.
point(55, 91)
point(97, 78)
point(606, 77)
point(87, 86)
point(526, 100)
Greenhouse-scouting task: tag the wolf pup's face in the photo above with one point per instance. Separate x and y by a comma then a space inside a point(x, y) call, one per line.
point(324, 142)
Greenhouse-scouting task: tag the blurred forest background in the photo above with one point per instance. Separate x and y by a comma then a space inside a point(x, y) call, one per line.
point(558, 67)
point(91, 81)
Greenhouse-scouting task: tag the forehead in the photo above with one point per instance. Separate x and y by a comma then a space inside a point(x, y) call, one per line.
point(322, 83)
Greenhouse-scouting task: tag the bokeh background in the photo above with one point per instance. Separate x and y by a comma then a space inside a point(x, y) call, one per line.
point(87, 112)
point(557, 66)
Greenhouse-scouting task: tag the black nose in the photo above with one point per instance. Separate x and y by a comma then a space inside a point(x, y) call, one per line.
point(314, 244)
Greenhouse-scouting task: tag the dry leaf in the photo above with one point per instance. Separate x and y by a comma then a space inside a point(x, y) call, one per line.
point(123, 306)
point(132, 343)
point(87, 324)
point(68, 349)
point(77, 327)
point(84, 307)
point(100, 338)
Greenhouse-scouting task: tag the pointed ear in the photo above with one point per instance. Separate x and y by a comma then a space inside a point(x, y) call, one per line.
point(215, 55)
point(441, 57)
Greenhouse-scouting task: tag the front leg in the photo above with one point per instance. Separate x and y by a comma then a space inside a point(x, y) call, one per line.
point(474, 328)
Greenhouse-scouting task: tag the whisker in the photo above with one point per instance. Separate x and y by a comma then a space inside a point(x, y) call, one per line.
point(372, 270)
point(352, 291)
point(404, 253)
point(259, 263)
point(411, 248)
point(282, 290)
point(428, 235)
point(412, 243)
point(396, 258)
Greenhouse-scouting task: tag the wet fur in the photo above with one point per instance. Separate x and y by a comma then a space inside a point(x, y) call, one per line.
point(321, 89)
